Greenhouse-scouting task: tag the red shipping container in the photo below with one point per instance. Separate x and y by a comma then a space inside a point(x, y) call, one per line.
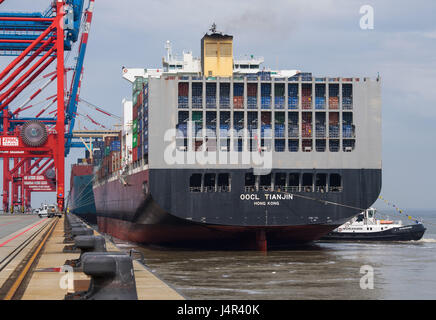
point(135, 112)
point(79, 170)
point(110, 165)
point(306, 129)
point(306, 102)
point(238, 102)
point(140, 99)
point(334, 103)
point(333, 118)
point(108, 141)
point(265, 118)
point(183, 89)
point(252, 89)
point(135, 154)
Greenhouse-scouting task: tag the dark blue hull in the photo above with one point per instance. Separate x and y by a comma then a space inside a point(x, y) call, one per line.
point(406, 233)
point(157, 207)
point(82, 201)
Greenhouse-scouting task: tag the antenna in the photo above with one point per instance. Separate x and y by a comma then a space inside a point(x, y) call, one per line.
point(213, 28)
point(168, 49)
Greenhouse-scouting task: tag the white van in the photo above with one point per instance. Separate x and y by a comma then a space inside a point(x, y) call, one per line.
point(48, 211)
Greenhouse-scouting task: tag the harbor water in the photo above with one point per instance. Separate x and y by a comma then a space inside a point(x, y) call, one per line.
point(322, 270)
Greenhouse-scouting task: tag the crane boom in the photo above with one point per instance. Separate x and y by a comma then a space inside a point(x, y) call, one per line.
point(71, 107)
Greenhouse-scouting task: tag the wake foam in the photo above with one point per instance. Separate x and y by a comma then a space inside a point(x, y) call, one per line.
point(424, 240)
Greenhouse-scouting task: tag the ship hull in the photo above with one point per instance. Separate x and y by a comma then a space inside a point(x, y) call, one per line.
point(406, 233)
point(191, 235)
point(156, 207)
point(82, 198)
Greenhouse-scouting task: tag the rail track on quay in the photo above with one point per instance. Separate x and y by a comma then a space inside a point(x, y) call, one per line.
point(14, 286)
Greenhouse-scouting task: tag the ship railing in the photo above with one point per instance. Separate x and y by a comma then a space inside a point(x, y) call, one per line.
point(335, 189)
point(321, 189)
point(279, 188)
point(250, 189)
point(291, 189)
point(266, 188)
point(223, 189)
point(209, 189)
point(307, 188)
point(195, 189)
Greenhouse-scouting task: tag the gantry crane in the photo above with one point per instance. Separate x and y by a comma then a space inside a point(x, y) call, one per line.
point(37, 145)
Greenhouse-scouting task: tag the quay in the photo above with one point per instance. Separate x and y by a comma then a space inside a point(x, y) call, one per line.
point(32, 263)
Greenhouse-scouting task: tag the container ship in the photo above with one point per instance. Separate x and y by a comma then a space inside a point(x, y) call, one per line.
point(81, 198)
point(220, 151)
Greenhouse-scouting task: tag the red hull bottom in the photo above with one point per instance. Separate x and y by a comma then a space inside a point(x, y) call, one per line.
point(211, 236)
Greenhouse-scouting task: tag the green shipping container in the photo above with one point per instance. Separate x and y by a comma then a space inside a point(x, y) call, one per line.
point(135, 141)
point(279, 90)
point(107, 151)
point(197, 116)
point(138, 84)
point(280, 117)
point(135, 98)
point(135, 126)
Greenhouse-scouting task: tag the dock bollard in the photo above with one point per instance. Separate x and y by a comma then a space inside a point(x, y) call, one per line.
point(72, 219)
point(69, 238)
point(67, 230)
point(112, 277)
point(86, 244)
point(80, 231)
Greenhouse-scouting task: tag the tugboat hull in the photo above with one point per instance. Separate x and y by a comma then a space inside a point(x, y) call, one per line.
point(406, 233)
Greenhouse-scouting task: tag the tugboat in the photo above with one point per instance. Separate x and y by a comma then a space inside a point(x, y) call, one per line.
point(365, 227)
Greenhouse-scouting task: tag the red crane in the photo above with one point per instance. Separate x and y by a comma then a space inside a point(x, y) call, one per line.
point(36, 146)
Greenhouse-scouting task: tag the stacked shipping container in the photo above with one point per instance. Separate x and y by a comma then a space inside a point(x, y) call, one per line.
point(238, 95)
point(144, 139)
point(316, 94)
point(293, 96)
point(252, 95)
point(265, 95)
point(279, 95)
point(183, 95)
point(306, 125)
point(334, 96)
point(347, 96)
point(197, 95)
point(210, 95)
point(320, 96)
point(306, 96)
point(225, 95)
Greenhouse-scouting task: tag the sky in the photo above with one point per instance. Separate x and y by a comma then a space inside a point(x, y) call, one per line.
point(319, 36)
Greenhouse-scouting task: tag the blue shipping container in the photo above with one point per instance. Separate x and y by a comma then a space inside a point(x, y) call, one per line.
point(116, 146)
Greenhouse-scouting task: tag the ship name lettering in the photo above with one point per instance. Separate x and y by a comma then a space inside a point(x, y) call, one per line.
point(279, 196)
point(249, 197)
point(260, 203)
point(273, 203)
